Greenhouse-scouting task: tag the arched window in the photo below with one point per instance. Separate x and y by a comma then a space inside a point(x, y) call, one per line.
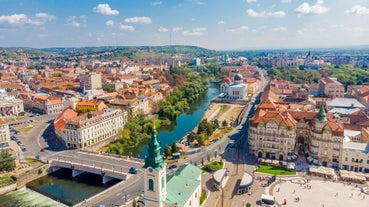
point(162, 182)
point(151, 185)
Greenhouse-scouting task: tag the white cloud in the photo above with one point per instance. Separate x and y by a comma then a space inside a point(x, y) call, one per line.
point(45, 16)
point(286, 1)
point(252, 13)
point(238, 29)
point(277, 14)
point(22, 19)
point(162, 29)
point(138, 20)
point(156, 3)
point(305, 8)
point(109, 23)
point(358, 9)
point(221, 22)
point(126, 27)
point(198, 2)
point(194, 32)
point(279, 29)
point(105, 9)
point(250, 1)
point(72, 21)
point(177, 29)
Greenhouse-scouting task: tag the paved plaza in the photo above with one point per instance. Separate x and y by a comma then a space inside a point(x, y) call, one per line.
point(320, 194)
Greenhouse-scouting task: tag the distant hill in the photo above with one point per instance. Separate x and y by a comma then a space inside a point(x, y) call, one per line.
point(130, 51)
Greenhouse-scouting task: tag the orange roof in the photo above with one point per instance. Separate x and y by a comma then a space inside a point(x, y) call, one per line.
point(282, 118)
point(2, 121)
point(55, 101)
point(88, 102)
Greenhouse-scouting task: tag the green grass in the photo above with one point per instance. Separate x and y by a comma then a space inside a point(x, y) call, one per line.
point(202, 197)
point(213, 166)
point(6, 179)
point(274, 170)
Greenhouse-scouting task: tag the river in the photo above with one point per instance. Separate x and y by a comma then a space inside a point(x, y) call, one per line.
point(58, 185)
point(185, 122)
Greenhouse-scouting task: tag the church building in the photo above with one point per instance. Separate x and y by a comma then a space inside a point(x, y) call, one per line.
point(180, 189)
point(234, 90)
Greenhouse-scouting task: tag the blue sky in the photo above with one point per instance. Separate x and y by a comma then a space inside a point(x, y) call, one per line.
point(213, 24)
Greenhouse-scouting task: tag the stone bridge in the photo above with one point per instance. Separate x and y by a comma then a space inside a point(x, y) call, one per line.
point(107, 167)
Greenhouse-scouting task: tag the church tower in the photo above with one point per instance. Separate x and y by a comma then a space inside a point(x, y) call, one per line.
point(155, 182)
point(321, 119)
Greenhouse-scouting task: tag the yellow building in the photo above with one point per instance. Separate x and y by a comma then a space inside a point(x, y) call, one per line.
point(90, 105)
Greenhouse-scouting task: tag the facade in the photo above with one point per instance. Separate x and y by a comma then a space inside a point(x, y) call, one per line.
point(9, 105)
point(91, 128)
point(43, 103)
point(277, 133)
point(355, 157)
point(331, 88)
point(89, 105)
point(4, 130)
point(181, 189)
point(90, 80)
point(235, 90)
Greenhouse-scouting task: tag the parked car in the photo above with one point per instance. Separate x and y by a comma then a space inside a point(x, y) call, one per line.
point(172, 166)
point(24, 149)
point(19, 143)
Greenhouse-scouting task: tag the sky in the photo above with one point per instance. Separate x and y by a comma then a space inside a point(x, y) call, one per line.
point(212, 24)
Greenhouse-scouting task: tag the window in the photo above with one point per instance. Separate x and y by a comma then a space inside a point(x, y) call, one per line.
point(151, 185)
point(162, 182)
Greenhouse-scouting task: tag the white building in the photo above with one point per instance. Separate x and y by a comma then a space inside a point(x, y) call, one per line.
point(9, 105)
point(93, 127)
point(235, 90)
point(355, 156)
point(4, 130)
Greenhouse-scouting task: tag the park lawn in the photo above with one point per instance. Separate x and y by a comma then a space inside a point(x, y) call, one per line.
point(24, 128)
point(274, 170)
point(213, 166)
point(6, 179)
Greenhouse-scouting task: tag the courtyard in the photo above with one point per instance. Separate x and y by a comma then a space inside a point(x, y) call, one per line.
point(318, 193)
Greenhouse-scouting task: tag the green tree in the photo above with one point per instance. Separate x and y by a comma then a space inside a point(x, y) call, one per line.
point(201, 138)
point(6, 161)
point(174, 148)
point(191, 137)
point(167, 151)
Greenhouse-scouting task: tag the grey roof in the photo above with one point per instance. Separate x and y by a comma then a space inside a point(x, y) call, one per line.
point(343, 111)
point(364, 147)
point(345, 102)
point(219, 175)
point(351, 133)
point(246, 179)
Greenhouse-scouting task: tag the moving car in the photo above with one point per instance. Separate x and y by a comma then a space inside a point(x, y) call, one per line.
point(132, 170)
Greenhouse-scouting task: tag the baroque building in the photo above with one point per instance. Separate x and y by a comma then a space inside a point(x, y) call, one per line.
point(276, 133)
point(9, 105)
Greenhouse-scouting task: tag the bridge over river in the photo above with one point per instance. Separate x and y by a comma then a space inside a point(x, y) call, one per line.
point(108, 167)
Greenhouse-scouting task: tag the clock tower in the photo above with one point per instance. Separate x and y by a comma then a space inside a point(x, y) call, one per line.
point(155, 182)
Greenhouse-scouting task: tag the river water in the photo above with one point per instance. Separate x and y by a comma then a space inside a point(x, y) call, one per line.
point(65, 189)
point(185, 122)
point(58, 185)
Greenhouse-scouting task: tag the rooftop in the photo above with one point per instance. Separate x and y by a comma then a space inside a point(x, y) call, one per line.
point(364, 147)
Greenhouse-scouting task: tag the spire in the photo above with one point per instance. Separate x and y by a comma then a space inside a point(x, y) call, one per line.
point(321, 114)
point(154, 158)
